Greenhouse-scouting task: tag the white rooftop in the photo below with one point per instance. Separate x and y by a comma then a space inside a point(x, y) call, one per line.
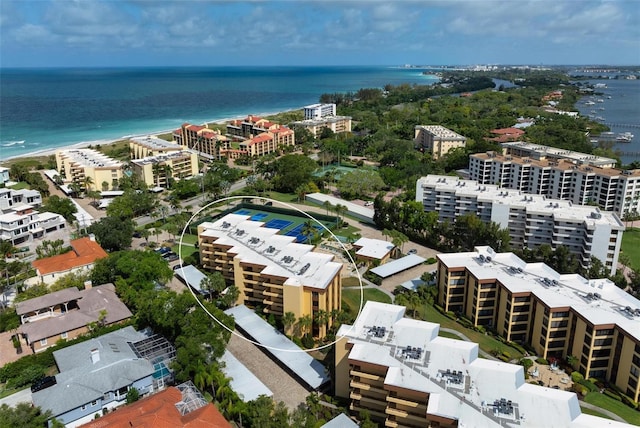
point(560, 209)
point(554, 289)
point(243, 382)
point(90, 158)
point(296, 360)
point(398, 265)
point(373, 248)
point(180, 154)
point(156, 143)
point(355, 210)
point(280, 254)
point(439, 131)
point(555, 152)
point(461, 385)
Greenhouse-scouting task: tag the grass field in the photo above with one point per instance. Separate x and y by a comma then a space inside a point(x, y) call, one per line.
point(351, 297)
point(625, 412)
point(631, 246)
point(486, 342)
point(593, 413)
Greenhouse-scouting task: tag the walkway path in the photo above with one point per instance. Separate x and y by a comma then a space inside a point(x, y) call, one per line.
point(603, 411)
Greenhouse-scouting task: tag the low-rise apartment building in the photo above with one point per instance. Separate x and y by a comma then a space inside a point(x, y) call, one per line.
point(404, 375)
point(532, 220)
point(144, 147)
point(4, 175)
point(540, 152)
point(74, 165)
point(268, 142)
point(157, 170)
point(272, 271)
point(437, 139)
point(320, 116)
point(580, 182)
point(250, 126)
point(209, 142)
point(558, 315)
point(10, 199)
point(23, 224)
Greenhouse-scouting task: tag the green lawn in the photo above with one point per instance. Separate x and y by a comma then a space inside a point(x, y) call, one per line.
point(625, 412)
point(350, 281)
point(187, 250)
point(593, 413)
point(351, 297)
point(449, 335)
point(486, 342)
point(21, 185)
point(631, 246)
point(188, 239)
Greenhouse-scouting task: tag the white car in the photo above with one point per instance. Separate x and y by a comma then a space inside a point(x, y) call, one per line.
point(368, 203)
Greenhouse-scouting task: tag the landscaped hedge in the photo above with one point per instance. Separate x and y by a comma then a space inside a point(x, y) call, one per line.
point(542, 361)
point(590, 386)
point(612, 395)
point(576, 376)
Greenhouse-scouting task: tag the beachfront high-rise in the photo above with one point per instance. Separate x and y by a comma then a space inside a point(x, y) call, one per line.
point(157, 171)
point(320, 116)
point(558, 315)
point(404, 374)
point(78, 165)
point(582, 180)
point(437, 139)
point(532, 220)
point(272, 271)
point(143, 147)
point(208, 142)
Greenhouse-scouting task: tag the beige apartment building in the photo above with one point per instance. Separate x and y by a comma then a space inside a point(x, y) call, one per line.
point(272, 271)
point(209, 142)
point(144, 147)
point(576, 179)
point(77, 164)
point(540, 152)
point(320, 116)
point(404, 374)
point(558, 315)
point(437, 139)
point(532, 220)
point(156, 171)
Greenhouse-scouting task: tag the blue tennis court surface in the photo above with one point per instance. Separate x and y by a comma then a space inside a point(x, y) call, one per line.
point(297, 232)
point(243, 212)
point(278, 224)
point(259, 216)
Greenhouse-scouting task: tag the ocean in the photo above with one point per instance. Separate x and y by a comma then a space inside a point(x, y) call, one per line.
point(44, 109)
point(618, 106)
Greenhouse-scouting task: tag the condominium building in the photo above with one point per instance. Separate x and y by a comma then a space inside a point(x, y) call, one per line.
point(23, 224)
point(532, 220)
point(157, 170)
point(250, 126)
point(209, 142)
point(144, 147)
point(75, 165)
point(272, 271)
point(404, 375)
point(11, 199)
point(540, 152)
point(337, 124)
point(319, 111)
point(580, 182)
point(558, 315)
point(437, 139)
point(268, 142)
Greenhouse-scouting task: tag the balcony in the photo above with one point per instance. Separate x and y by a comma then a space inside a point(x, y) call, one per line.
point(367, 387)
point(407, 403)
point(366, 375)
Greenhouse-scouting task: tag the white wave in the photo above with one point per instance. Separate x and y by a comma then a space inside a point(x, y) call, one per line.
point(12, 143)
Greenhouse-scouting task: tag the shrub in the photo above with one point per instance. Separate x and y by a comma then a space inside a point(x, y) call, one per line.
point(506, 354)
point(26, 377)
point(612, 395)
point(629, 402)
point(576, 376)
point(451, 315)
point(431, 260)
point(590, 386)
point(526, 363)
point(542, 361)
point(518, 347)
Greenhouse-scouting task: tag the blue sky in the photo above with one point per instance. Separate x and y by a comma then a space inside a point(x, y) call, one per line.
point(52, 33)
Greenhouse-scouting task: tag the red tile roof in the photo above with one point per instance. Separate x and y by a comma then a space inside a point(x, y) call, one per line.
point(195, 128)
point(159, 411)
point(508, 131)
point(85, 251)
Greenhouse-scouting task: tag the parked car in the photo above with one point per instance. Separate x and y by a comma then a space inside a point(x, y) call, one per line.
point(368, 203)
point(163, 250)
point(170, 256)
point(412, 251)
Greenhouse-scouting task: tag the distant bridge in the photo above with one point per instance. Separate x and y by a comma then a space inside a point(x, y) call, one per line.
point(622, 125)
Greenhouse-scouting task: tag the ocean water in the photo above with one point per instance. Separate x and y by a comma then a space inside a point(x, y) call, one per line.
point(43, 109)
point(621, 112)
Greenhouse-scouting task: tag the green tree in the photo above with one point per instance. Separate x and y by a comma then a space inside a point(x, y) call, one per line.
point(23, 415)
point(65, 207)
point(133, 395)
point(214, 283)
point(112, 233)
point(288, 320)
point(292, 169)
point(359, 183)
point(51, 248)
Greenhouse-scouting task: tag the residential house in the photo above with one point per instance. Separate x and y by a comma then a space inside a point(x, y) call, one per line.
point(23, 224)
point(84, 253)
point(67, 314)
point(96, 375)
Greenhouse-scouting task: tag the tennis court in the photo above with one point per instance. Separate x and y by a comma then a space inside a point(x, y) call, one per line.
point(289, 225)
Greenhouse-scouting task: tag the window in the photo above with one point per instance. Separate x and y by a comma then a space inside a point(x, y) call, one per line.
point(83, 407)
point(93, 403)
point(43, 342)
point(64, 335)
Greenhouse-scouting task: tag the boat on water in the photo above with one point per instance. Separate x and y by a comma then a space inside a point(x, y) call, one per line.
point(624, 137)
point(590, 103)
point(600, 100)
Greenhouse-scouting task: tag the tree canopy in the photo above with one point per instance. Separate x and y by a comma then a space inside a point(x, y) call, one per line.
point(291, 170)
point(63, 206)
point(112, 233)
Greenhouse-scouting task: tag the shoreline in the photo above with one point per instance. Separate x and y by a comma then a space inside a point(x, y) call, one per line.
point(108, 142)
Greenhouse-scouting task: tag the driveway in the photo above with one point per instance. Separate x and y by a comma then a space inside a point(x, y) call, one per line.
point(22, 396)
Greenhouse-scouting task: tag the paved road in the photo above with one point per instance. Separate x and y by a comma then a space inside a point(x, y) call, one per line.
point(23, 396)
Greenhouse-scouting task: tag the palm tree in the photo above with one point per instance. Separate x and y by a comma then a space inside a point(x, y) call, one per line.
point(156, 168)
point(87, 182)
point(305, 322)
point(105, 186)
point(288, 320)
point(308, 231)
point(340, 209)
point(327, 206)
